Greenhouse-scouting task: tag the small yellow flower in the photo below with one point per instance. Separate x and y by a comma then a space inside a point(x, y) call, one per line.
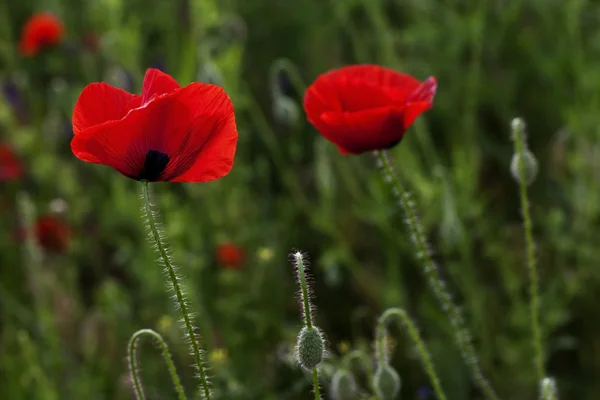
point(265, 253)
point(343, 346)
point(218, 356)
point(164, 324)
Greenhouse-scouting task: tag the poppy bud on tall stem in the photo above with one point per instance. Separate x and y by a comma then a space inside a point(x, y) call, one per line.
point(523, 172)
point(310, 346)
point(174, 282)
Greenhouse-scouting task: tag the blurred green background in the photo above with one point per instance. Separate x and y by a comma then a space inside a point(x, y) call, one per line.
point(66, 317)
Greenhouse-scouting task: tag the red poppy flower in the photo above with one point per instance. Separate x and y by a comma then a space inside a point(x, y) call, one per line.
point(11, 168)
point(168, 133)
point(366, 107)
point(52, 234)
point(231, 256)
point(41, 30)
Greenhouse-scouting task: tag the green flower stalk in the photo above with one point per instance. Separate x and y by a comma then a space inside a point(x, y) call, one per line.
point(310, 346)
point(381, 333)
point(134, 369)
point(424, 254)
point(524, 173)
point(176, 285)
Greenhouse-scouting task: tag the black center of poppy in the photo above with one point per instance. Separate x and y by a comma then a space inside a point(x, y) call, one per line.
point(154, 164)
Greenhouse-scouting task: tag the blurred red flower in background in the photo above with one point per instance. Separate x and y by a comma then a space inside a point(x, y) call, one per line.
point(52, 234)
point(366, 107)
point(168, 133)
point(11, 168)
point(40, 31)
point(230, 255)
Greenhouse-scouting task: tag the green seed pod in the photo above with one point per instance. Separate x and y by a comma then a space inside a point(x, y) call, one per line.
point(530, 164)
point(310, 348)
point(343, 385)
point(386, 383)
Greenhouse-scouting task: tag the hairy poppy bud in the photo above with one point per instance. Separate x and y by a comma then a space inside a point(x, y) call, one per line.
point(310, 348)
point(530, 166)
point(517, 126)
point(343, 385)
point(386, 383)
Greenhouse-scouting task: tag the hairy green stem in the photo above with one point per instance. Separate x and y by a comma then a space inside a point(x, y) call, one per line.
point(317, 388)
point(421, 347)
point(462, 335)
point(177, 286)
point(304, 290)
point(134, 370)
point(534, 300)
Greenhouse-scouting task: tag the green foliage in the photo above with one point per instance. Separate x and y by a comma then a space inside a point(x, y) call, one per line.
point(65, 319)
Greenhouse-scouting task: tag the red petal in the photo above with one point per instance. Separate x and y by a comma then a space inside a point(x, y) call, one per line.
point(420, 101)
point(356, 88)
point(211, 143)
point(156, 83)
point(189, 125)
point(363, 131)
point(99, 103)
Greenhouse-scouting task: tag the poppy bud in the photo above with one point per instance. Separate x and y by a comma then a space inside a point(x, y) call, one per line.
point(285, 110)
point(310, 348)
point(549, 390)
point(386, 383)
point(517, 126)
point(530, 166)
point(343, 385)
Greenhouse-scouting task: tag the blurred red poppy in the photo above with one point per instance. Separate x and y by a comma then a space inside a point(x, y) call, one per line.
point(41, 30)
point(52, 234)
point(11, 168)
point(231, 256)
point(366, 107)
point(168, 133)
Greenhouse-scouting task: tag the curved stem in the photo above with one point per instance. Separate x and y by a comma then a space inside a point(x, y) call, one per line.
point(462, 335)
point(421, 347)
point(283, 64)
point(534, 301)
point(177, 287)
point(134, 367)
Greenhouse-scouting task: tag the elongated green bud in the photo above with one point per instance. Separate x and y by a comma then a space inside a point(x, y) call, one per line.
point(310, 348)
point(386, 382)
point(530, 167)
